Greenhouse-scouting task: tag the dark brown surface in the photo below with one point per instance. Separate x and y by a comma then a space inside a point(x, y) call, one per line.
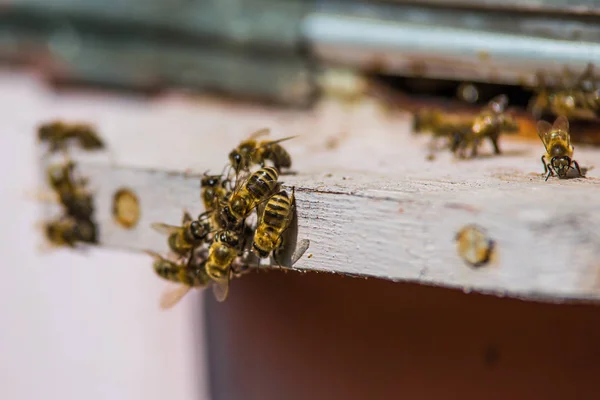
point(320, 336)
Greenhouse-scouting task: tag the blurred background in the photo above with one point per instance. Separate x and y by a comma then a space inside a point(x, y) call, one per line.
point(87, 325)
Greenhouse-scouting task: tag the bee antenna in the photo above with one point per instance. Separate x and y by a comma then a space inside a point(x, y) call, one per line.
point(225, 169)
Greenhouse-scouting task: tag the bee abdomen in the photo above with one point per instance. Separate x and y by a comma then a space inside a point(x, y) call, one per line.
point(280, 156)
point(262, 182)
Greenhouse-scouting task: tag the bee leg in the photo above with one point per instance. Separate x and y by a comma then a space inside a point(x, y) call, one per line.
point(187, 217)
point(44, 196)
point(494, 140)
point(549, 173)
point(544, 163)
point(474, 148)
point(577, 168)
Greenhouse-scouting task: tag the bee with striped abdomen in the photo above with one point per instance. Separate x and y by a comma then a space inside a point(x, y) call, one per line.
point(189, 274)
point(559, 151)
point(190, 234)
point(252, 191)
point(223, 251)
point(272, 223)
point(254, 152)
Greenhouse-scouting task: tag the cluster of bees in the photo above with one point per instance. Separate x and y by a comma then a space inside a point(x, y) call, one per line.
point(76, 224)
point(577, 98)
point(224, 241)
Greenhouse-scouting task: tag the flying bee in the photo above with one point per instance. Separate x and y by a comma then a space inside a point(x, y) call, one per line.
point(254, 152)
point(191, 274)
point(223, 251)
point(192, 232)
point(490, 123)
point(68, 231)
point(559, 150)
point(273, 222)
point(58, 134)
point(474, 246)
point(255, 189)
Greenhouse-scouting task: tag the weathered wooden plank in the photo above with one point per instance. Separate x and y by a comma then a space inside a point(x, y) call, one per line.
point(548, 245)
point(368, 198)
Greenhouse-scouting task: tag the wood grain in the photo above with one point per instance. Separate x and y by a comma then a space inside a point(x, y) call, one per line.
point(403, 230)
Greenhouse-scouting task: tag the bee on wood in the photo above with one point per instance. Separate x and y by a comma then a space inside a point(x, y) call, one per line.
point(223, 251)
point(72, 192)
point(57, 134)
point(272, 223)
point(490, 123)
point(68, 231)
point(254, 152)
point(443, 126)
point(559, 151)
point(189, 274)
point(192, 232)
point(474, 246)
point(252, 191)
point(576, 100)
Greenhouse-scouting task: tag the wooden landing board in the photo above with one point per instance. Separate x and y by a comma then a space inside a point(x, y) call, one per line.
point(404, 230)
point(368, 199)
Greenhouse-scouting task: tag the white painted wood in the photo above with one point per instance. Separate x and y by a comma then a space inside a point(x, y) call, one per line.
point(546, 249)
point(368, 199)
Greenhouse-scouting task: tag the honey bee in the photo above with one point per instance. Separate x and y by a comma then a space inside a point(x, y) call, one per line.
point(559, 150)
point(182, 239)
point(68, 231)
point(191, 274)
point(251, 151)
point(72, 193)
point(489, 123)
point(576, 100)
point(223, 251)
point(213, 191)
point(275, 219)
point(255, 189)
point(442, 125)
point(474, 246)
point(58, 134)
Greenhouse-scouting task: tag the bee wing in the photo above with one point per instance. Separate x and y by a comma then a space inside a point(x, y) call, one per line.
point(561, 123)
point(220, 289)
point(301, 248)
point(260, 210)
point(153, 254)
point(165, 228)
point(170, 297)
point(270, 142)
point(543, 129)
point(498, 104)
point(259, 133)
